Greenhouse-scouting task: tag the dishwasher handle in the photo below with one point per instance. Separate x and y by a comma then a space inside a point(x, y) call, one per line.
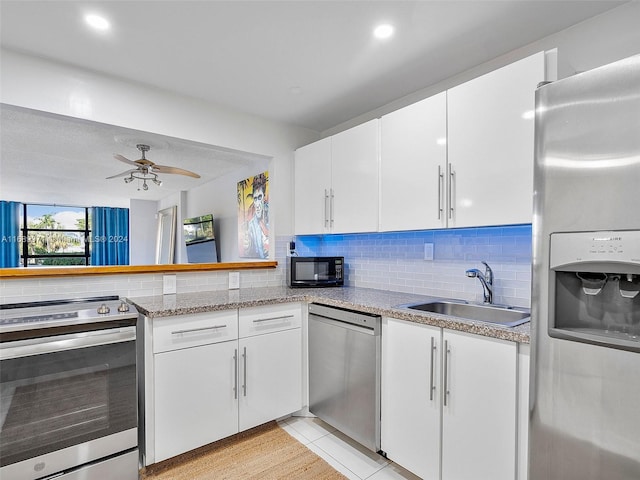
point(345, 325)
point(357, 321)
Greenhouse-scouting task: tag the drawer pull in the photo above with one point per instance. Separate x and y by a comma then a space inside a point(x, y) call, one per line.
point(283, 317)
point(202, 329)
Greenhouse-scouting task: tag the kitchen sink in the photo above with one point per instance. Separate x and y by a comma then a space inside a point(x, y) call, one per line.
point(496, 314)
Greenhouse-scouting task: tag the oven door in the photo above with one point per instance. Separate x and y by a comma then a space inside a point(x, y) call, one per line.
point(66, 400)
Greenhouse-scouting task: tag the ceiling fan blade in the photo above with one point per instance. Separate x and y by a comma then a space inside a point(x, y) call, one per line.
point(179, 171)
point(124, 159)
point(123, 174)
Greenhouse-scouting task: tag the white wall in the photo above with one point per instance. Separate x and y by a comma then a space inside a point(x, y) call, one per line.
point(142, 231)
point(600, 40)
point(52, 87)
point(213, 198)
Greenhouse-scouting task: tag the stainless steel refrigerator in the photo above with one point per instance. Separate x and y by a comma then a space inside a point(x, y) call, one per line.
point(585, 375)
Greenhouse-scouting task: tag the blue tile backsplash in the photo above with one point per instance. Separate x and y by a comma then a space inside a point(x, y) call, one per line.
point(395, 261)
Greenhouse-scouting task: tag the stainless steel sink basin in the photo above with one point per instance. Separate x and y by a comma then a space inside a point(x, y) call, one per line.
point(500, 315)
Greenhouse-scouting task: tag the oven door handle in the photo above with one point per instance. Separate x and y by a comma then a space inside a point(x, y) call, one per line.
point(60, 343)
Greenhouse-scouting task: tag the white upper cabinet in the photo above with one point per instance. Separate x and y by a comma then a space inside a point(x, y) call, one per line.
point(413, 158)
point(336, 183)
point(490, 145)
point(312, 183)
point(461, 158)
point(354, 178)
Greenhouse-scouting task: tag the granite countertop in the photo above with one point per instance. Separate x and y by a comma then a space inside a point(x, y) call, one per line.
point(369, 300)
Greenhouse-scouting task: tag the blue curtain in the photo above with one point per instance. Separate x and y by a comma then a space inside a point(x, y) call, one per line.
point(10, 234)
point(109, 236)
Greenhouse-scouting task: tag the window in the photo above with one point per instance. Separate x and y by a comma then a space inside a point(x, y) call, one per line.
point(55, 235)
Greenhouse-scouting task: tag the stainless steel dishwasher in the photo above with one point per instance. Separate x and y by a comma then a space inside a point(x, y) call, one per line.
point(344, 371)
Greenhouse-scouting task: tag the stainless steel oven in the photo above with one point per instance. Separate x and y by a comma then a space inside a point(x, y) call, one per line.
point(68, 387)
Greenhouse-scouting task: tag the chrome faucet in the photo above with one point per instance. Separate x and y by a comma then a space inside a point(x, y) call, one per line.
point(486, 279)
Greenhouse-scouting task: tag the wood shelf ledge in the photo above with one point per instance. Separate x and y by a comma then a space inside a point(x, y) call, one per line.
point(39, 272)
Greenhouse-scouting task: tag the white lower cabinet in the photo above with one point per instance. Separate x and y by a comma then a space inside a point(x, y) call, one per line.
point(479, 407)
point(448, 402)
point(215, 374)
point(272, 380)
point(194, 398)
point(411, 374)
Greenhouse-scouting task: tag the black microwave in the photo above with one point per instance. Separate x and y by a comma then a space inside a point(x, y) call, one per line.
point(315, 271)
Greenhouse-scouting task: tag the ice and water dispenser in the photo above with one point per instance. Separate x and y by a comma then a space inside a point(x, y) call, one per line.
point(595, 288)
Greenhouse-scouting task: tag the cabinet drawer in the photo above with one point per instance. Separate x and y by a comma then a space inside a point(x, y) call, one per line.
point(184, 331)
point(271, 318)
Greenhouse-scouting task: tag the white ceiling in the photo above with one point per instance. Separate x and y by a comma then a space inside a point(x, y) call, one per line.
point(313, 64)
point(308, 63)
point(67, 160)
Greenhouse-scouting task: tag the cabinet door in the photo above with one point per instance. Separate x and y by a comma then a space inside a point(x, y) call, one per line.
point(354, 179)
point(413, 158)
point(270, 376)
point(479, 408)
point(411, 396)
point(490, 145)
point(194, 397)
point(312, 187)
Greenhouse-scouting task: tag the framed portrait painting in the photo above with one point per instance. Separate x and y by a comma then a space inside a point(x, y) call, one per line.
point(253, 216)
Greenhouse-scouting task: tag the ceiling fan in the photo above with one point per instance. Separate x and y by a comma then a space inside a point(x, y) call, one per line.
point(147, 170)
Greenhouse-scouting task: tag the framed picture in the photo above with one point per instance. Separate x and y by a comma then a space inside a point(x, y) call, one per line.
point(253, 216)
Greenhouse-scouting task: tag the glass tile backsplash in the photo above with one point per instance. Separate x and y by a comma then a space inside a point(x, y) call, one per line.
point(396, 261)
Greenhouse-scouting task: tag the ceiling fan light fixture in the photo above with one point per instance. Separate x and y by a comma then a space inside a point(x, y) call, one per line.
point(147, 170)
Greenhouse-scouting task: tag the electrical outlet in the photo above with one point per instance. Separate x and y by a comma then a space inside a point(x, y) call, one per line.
point(234, 280)
point(428, 251)
point(169, 284)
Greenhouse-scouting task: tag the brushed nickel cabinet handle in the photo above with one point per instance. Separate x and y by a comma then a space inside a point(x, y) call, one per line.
point(244, 359)
point(332, 205)
point(451, 184)
point(283, 317)
point(440, 183)
point(235, 374)
point(326, 217)
point(192, 330)
point(432, 385)
point(447, 351)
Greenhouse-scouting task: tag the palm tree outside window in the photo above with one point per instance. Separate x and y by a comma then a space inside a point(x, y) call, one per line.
point(55, 235)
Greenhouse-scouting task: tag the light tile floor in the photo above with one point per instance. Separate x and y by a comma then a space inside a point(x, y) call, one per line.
point(348, 457)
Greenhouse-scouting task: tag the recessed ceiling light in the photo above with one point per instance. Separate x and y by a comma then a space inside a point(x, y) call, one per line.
point(97, 22)
point(383, 31)
point(529, 114)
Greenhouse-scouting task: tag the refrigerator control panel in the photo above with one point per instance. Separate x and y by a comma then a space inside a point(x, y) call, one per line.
point(606, 246)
